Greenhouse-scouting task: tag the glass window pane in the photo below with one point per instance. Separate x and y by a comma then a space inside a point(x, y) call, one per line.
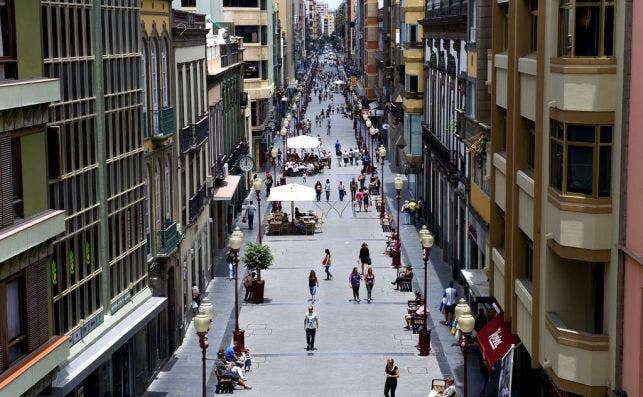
point(579, 169)
point(606, 134)
point(586, 31)
point(556, 163)
point(608, 46)
point(14, 310)
point(564, 33)
point(605, 171)
point(580, 133)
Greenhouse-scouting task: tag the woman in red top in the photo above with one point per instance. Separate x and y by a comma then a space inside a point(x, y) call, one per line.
point(358, 197)
point(396, 247)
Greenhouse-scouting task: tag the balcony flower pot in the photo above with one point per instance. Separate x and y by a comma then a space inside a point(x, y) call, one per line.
point(257, 257)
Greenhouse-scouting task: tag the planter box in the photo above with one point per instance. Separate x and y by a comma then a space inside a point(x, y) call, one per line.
point(257, 291)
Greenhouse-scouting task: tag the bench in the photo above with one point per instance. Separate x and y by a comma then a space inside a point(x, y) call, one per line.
point(405, 286)
point(416, 324)
point(225, 385)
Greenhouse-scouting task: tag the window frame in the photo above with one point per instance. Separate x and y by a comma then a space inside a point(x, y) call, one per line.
point(569, 6)
point(10, 61)
point(21, 337)
point(565, 143)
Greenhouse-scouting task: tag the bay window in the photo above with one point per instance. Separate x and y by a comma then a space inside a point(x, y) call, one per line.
point(580, 159)
point(586, 28)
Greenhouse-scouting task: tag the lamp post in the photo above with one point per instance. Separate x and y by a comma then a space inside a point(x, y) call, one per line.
point(283, 134)
point(284, 100)
point(382, 151)
point(274, 152)
point(258, 184)
point(372, 131)
point(202, 326)
point(399, 183)
point(235, 244)
point(294, 111)
point(466, 322)
point(425, 334)
point(364, 118)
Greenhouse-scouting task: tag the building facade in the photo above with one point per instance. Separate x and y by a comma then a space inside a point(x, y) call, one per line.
point(193, 126)
point(101, 298)
point(159, 133)
point(556, 116)
point(31, 350)
point(445, 177)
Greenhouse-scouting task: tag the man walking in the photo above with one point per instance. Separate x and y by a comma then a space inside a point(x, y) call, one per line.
point(311, 323)
point(353, 188)
point(450, 295)
point(250, 212)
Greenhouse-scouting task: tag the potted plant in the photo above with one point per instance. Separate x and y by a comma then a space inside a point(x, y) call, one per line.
point(257, 257)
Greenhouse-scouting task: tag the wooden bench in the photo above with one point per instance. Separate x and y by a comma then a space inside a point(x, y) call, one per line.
point(225, 385)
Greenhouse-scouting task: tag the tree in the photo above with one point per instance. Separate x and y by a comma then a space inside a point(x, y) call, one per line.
point(257, 257)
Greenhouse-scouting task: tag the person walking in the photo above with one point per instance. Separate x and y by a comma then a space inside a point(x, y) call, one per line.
point(230, 261)
point(268, 183)
point(250, 212)
point(369, 280)
point(327, 189)
point(451, 294)
point(355, 280)
point(412, 207)
point(364, 257)
point(318, 190)
point(358, 198)
point(361, 178)
point(365, 200)
point(405, 211)
point(326, 264)
point(312, 285)
point(311, 325)
point(392, 374)
point(353, 188)
point(341, 188)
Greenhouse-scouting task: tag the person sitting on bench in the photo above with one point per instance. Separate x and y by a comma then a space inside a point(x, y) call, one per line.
point(227, 369)
point(408, 318)
point(407, 276)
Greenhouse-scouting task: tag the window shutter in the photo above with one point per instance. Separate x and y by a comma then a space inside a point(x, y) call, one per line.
point(36, 304)
point(6, 183)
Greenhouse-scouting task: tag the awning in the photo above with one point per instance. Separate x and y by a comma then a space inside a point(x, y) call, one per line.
point(226, 191)
point(102, 348)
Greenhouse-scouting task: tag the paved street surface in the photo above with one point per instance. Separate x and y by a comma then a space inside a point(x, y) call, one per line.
point(353, 340)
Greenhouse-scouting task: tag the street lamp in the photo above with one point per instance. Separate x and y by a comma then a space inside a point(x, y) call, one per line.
point(202, 326)
point(466, 322)
point(284, 99)
point(283, 134)
point(235, 244)
point(372, 131)
point(274, 152)
point(425, 334)
point(258, 184)
point(382, 151)
point(399, 183)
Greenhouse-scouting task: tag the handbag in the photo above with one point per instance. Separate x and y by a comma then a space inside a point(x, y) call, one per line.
point(244, 219)
point(369, 261)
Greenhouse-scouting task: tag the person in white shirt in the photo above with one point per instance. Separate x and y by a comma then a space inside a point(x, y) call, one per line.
point(451, 294)
point(311, 324)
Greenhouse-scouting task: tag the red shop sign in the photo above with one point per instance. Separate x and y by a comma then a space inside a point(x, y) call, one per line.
point(495, 339)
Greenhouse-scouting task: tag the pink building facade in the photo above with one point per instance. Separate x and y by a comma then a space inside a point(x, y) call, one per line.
point(632, 375)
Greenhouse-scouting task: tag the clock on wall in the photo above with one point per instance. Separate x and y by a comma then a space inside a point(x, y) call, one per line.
point(246, 163)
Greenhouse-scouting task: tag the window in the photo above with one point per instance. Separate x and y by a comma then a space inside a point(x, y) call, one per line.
point(158, 204)
point(505, 25)
point(168, 189)
point(531, 147)
point(251, 70)
point(581, 159)
point(188, 3)
point(533, 24)
point(528, 250)
point(144, 84)
point(586, 28)
point(155, 86)
point(8, 69)
point(412, 33)
point(411, 83)
point(16, 178)
point(471, 98)
point(15, 319)
point(472, 21)
point(242, 3)
point(165, 77)
point(250, 34)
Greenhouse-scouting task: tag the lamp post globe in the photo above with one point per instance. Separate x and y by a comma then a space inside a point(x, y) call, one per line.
point(382, 151)
point(466, 323)
point(461, 308)
point(207, 307)
point(398, 182)
point(423, 231)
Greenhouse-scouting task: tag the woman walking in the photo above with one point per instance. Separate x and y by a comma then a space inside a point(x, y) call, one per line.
point(342, 191)
point(312, 285)
point(326, 264)
point(392, 373)
point(318, 190)
point(358, 198)
point(364, 256)
point(355, 280)
point(327, 189)
point(369, 280)
point(365, 200)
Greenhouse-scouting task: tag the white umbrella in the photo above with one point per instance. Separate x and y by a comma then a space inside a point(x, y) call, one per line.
point(338, 82)
point(292, 192)
point(302, 142)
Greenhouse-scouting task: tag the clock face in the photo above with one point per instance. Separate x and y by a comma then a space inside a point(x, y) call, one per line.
point(246, 163)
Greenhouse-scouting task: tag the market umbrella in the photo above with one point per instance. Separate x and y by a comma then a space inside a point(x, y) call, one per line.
point(338, 82)
point(303, 142)
point(292, 192)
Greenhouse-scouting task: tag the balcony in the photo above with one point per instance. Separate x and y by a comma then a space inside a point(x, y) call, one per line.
point(413, 44)
point(24, 374)
point(186, 139)
point(201, 130)
point(166, 122)
point(443, 13)
point(576, 356)
point(21, 93)
point(28, 233)
point(196, 203)
point(166, 239)
point(413, 95)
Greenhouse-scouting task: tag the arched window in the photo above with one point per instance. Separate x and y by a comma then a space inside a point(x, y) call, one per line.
point(155, 85)
point(165, 77)
point(148, 212)
point(168, 189)
point(158, 204)
point(144, 84)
